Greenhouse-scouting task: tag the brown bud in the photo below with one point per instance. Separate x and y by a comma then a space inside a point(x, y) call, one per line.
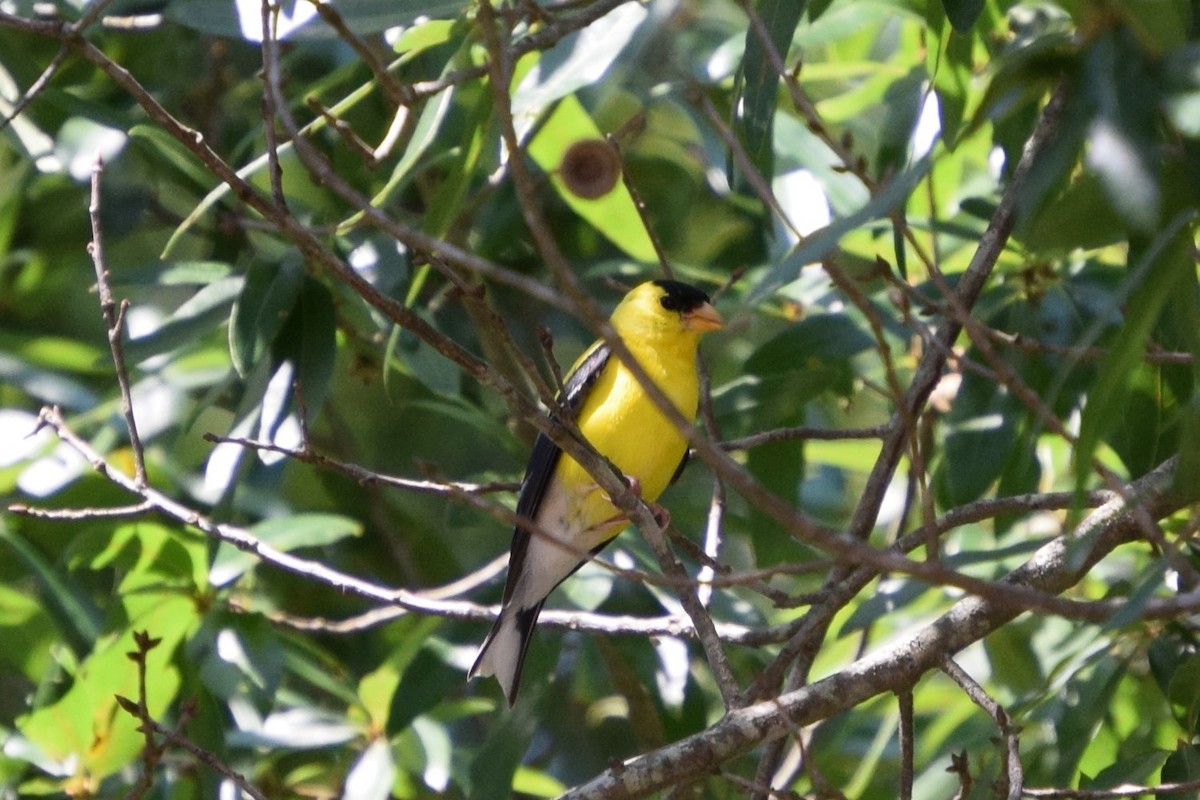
point(590, 169)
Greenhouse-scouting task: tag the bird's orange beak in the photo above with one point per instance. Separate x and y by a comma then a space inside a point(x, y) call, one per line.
point(704, 318)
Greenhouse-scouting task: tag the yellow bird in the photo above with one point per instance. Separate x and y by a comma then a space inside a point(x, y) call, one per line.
point(661, 323)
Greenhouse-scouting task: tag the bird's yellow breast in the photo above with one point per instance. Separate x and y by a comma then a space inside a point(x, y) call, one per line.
point(625, 426)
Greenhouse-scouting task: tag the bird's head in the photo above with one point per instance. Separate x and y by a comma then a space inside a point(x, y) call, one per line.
point(665, 308)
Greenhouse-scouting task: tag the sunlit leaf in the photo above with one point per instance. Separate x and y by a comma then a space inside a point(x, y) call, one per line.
point(613, 213)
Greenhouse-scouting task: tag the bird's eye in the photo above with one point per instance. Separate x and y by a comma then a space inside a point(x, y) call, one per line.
point(671, 303)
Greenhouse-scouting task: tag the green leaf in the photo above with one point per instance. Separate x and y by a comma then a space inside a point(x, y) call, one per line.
point(85, 723)
point(286, 534)
point(425, 134)
point(1015, 666)
point(1081, 217)
point(757, 99)
point(1134, 769)
point(577, 60)
point(1148, 586)
point(894, 194)
point(902, 106)
point(172, 273)
point(73, 611)
point(266, 300)
point(29, 633)
point(1183, 692)
point(982, 422)
point(1166, 655)
point(1183, 765)
point(1160, 26)
point(494, 766)
point(952, 73)
point(807, 343)
point(1122, 140)
point(202, 314)
point(963, 13)
point(1159, 271)
point(409, 354)
point(426, 682)
point(170, 151)
point(298, 20)
point(309, 340)
point(424, 35)
point(613, 213)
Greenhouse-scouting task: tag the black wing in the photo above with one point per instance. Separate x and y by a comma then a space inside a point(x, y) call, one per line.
point(544, 458)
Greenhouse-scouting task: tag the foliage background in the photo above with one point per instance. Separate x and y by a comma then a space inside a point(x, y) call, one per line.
point(364, 299)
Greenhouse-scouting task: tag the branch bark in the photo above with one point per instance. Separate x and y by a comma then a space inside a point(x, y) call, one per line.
point(1055, 567)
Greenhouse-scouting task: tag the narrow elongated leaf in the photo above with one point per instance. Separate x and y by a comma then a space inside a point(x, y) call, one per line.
point(1122, 141)
point(493, 768)
point(902, 105)
point(266, 301)
point(73, 611)
point(760, 80)
point(309, 341)
point(429, 124)
point(1162, 267)
point(579, 59)
point(822, 242)
point(963, 13)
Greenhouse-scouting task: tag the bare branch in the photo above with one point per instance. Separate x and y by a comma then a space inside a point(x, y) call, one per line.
point(1056, 566)
point(113, 318)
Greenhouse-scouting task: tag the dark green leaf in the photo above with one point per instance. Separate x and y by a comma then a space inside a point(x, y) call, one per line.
point(980, 433)
point(1183, 692)
point(309, 340)
point(1159, 271)
point(73, 611)
point(807, 343)
point(1183, 765)
point(902, 106)
point(493, 768)
point(963, 13)
point(1081, 217)
point(1135, 769)
point(1122, 142)
point(760, 80)
point(426, 682)
point(266, 300)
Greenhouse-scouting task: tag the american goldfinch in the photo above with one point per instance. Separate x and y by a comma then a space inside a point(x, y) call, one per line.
point(661, 323)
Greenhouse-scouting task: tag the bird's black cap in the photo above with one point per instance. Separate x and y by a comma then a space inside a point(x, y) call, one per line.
point(680, 297)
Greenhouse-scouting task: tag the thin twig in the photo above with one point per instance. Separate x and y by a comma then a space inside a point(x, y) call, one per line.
point(90, 512)
point(153, 751)
point(269, 15)
point(114, 316)
point(35, 88)
point(396, 92)
point(1012, 778)
point(904, 698)
point(1124, 790)
point(803, 432)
